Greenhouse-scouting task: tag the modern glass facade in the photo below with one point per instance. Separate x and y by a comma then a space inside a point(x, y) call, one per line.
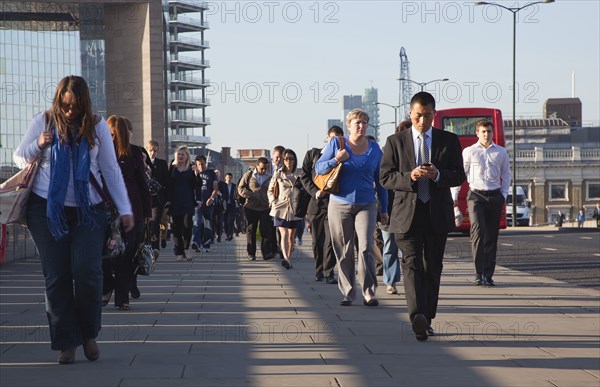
point(40, 43)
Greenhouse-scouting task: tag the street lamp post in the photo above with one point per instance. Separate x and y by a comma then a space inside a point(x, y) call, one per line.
point(423, 84)
point(380, 125)
point(395, 111)
point(514, 11)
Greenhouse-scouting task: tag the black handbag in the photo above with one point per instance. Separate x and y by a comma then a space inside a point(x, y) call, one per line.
point(300, 199)
point(145, 257)
point(115, 242)
point(153, 185)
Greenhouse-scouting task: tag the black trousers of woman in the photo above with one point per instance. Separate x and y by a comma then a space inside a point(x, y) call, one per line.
point(182, 232)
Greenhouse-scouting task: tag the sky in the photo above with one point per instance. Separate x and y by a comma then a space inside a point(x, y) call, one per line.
point(279, 70)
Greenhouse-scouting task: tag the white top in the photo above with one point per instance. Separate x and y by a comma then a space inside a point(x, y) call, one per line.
point(103, 162)
point(487, 169)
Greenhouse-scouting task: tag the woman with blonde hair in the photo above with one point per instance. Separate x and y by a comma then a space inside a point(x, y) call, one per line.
point(181, 202)
point(352, 210)
point(280, 194)
point(131, 162)
point(67, 218)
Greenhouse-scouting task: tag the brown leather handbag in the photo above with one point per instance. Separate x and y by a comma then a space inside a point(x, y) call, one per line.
point(330, 181)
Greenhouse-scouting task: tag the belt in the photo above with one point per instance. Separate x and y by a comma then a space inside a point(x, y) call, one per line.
point(486, 193)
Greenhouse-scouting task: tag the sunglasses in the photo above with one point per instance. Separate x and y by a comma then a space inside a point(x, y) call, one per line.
point(289, 158)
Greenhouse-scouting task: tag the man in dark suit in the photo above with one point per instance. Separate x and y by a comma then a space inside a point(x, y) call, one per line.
point(420, 165)
point(228, 192)
point(317, 215)
point(160, 172)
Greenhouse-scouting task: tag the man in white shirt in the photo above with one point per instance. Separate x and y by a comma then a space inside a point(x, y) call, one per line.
point(488, 173)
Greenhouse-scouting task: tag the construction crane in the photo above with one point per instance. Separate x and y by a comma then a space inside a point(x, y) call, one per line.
point(404, 94)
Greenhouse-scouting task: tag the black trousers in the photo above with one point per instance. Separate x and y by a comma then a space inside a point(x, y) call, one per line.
point(321, 243)
point(266, 232)
point(218, 224)
point(422, 256)
point(484, 214)
point(182, 232)
point(229, 219)
point(157, 213)
point(118, 271)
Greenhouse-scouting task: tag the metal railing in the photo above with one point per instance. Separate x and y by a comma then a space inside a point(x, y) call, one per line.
point(189, 59)
point(201, 4)
point(185, 39)
point(573, 154)
point(182, 77)
point(176, 98)
point(188, 20)
point(19, 245)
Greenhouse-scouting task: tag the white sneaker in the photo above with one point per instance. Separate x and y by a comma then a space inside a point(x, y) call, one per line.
point(391, 289)
point(179, 258)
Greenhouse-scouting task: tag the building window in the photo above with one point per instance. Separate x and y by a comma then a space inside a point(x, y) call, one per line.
point(559, 191)
point(592, 191)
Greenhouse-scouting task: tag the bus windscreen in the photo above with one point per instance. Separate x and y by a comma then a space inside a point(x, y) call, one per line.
point(462, 126)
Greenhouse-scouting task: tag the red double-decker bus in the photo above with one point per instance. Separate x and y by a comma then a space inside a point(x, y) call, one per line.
point(461, 121)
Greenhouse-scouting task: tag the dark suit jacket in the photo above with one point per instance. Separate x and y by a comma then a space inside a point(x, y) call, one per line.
point(160, 172)
point(399, 160)
point(308, 169)
point(230, 201)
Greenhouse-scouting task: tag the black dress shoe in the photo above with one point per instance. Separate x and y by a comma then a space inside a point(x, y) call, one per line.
point(479, 280)
point(345, 302)
point(371, 302)
point(135, 292)
point(319, 277)
point(331, 280)
point(430, 331)
point(267, 257)
point(287, 264)
point(419, 326)
point(489, 282)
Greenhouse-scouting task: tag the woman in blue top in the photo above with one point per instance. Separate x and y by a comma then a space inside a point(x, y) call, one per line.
point(352, 211)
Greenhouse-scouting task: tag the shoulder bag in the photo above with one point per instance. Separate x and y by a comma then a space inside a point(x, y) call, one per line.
point(115, 243)
point(14, 192)
point(329, 182)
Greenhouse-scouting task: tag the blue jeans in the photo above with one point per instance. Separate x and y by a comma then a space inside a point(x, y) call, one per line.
point(202, 230)
point(391, 262)
point(72, 269)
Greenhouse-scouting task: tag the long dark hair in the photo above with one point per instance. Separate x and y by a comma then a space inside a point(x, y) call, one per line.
point(289, 152)
point(120, 134)
point(78, 87)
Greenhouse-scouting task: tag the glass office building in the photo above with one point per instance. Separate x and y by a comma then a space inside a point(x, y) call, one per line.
point(40, 43)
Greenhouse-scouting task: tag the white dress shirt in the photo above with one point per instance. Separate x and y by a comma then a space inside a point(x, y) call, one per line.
point(416, 144)
point(487, 169)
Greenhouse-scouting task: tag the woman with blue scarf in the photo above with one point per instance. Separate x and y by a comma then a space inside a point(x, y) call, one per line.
point(67, 218)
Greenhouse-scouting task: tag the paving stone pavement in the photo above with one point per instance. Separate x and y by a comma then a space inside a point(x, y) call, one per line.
point(224, 321)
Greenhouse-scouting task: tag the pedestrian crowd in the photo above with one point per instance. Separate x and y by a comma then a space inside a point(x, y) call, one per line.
point(390, 214)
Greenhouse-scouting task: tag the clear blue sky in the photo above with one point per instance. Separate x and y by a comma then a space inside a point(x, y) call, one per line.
point(281, 68)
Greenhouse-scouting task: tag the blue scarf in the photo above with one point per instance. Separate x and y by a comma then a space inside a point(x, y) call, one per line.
point(61, 156)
